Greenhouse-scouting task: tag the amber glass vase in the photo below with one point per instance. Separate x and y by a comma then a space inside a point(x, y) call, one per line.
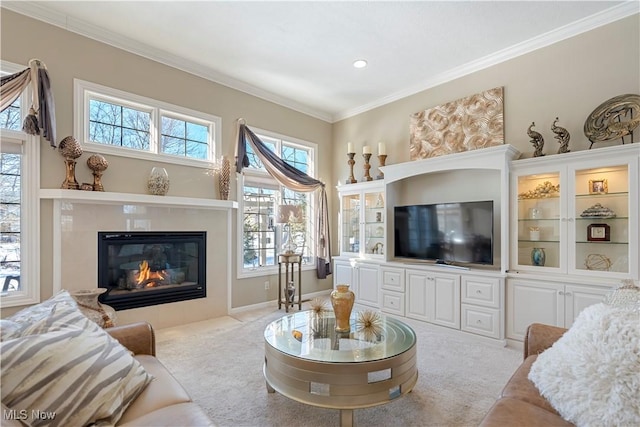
point(342, 300)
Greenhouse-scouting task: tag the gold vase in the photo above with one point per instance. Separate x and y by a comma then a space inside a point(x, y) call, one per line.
point(342, 300)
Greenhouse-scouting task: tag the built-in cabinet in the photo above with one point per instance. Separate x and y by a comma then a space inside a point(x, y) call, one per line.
point(392, 290)
point(433, 297)
point(577, 213)
point(362, 220)
point(568, 231)
point(552, 303)
point(362, 278)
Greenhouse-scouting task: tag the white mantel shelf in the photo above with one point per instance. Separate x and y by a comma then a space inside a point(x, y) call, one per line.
point(107, 197)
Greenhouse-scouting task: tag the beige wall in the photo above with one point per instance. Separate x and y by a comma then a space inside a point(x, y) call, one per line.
point(68, 56)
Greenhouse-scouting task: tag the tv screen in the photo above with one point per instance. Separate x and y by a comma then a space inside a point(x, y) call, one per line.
point(445, 232)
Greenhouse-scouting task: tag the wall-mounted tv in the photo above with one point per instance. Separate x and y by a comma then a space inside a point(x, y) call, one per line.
point(445, 232)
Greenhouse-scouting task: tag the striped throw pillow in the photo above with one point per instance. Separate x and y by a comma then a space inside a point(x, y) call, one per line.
point(63, 369)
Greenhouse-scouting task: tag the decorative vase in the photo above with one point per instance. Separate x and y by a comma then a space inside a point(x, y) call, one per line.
point(158, 183)
point(102, 314)
point(342, 300)
point(538, 256)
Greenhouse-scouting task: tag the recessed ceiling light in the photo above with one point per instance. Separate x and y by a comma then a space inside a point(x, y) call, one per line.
point(359, 63)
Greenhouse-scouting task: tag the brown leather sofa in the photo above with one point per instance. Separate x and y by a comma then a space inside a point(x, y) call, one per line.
point(520, 403)
point(164, 402)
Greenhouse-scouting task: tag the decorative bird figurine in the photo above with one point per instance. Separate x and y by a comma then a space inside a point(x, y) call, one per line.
point(562, 135)
point(537, 140)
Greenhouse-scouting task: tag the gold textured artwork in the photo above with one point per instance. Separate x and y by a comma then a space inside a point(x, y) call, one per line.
point(466, 124)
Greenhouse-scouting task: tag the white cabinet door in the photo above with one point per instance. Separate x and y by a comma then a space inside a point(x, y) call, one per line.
point(577, 298)
point(532, 302)
point(368, 287)
point(343, 274)
point(419, 295)
point(447, 300)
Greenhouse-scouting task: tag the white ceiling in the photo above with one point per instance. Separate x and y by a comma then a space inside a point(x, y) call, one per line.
point(300, 54)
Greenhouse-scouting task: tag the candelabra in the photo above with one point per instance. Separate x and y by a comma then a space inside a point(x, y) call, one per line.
point(367, 166)
point(352, 179)
point(382, 158)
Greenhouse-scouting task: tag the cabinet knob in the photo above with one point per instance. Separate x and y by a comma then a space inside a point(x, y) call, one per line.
point(568, 294)
point(478, 291)
point(560, 292)
point(570, 220)
point(479, 322)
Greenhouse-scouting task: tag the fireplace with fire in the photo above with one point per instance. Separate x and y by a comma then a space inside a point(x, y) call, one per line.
point(147, 268)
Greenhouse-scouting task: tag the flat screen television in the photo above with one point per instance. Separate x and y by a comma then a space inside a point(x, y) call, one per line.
point(447, 233)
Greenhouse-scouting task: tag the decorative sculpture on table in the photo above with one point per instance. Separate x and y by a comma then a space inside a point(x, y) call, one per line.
point(615, 118)
point(70, 150)
point(537, 140)
point(562, 135)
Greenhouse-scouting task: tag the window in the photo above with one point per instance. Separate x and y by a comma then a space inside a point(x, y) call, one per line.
point(262, 238)
point(124, 124)
point(19, 207)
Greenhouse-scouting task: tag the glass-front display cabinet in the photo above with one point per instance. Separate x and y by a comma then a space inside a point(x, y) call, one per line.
point(577, 213)
point(362, 219)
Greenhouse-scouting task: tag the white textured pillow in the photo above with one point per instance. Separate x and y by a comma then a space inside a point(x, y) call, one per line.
point(65, 364)
point(591, 375)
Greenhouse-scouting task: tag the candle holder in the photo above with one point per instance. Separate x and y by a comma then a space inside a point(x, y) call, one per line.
point(382, 158)
point(351, 162)
point(367, 166)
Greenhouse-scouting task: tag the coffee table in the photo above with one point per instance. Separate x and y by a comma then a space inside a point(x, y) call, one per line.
point(345, 371)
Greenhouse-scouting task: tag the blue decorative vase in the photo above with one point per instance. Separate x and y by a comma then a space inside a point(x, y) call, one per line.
point(538, 256)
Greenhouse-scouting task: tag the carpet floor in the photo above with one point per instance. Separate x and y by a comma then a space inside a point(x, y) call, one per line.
point(219, 362)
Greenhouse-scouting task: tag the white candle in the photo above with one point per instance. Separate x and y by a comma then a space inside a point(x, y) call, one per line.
point(382, 150)
point(366, 150)
point(350, 148)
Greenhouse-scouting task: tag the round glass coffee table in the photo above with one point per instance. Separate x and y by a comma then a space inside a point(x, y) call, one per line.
point(308, 361)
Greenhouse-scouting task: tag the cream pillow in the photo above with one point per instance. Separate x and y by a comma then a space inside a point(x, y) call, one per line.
point(591, 375)
point(63, 365)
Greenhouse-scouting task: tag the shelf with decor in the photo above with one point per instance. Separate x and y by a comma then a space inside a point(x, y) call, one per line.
point(577, 213)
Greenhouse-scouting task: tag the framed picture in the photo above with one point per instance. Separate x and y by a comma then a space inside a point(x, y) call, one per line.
point(598, 186)
point(598, 233)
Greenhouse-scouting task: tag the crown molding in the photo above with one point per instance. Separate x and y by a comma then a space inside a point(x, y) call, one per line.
point(570, 30)
point(45, 14)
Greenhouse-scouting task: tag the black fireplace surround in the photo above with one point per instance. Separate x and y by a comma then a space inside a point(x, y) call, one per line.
point(140, 269)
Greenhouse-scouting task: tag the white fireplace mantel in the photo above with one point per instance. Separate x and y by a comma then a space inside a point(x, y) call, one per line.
point(107, 197)
point(77, 216)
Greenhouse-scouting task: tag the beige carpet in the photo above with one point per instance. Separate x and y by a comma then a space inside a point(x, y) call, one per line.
point(219, 362)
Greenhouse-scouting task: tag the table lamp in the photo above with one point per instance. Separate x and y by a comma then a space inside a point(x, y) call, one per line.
point(287, 215)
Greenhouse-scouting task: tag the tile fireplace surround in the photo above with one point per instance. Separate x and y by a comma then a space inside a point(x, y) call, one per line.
point(78, 216)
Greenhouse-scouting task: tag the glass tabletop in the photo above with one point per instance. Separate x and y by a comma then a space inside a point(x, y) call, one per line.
point(310, 336)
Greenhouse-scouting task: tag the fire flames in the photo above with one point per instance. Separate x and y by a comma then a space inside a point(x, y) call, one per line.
point(148, 278)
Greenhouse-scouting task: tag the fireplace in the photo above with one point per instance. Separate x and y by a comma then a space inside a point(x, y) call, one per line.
point(139, 269)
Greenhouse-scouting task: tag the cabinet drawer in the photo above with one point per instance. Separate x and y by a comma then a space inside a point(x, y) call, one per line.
point(481, 321)
point(392, 278)
point(393, 302)
point(483, 291)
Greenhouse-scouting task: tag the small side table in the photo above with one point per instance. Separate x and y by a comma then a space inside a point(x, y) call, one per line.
point(289, 260)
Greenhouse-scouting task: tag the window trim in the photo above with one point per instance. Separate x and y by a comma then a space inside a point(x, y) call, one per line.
point(262, 177)
point(29, 209)
point(83, 91)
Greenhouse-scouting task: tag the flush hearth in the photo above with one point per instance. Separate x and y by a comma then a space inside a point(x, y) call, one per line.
point(140, 269)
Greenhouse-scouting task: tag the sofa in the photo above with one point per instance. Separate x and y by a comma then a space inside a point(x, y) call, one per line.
point(59, 368)
point(520, 403)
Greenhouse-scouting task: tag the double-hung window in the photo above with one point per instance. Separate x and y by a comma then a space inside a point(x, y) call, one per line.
point(262, 238)
point(123, 124)
point(19, 207)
